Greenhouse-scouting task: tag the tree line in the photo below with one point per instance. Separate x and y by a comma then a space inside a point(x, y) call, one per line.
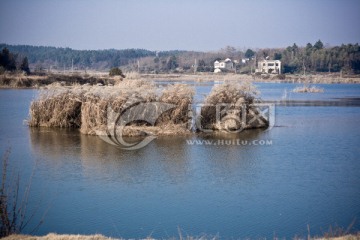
point(12, 62)
point(310, 58)
point(318, 58)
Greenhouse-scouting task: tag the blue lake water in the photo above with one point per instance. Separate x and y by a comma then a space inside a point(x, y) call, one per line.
point(308, 173)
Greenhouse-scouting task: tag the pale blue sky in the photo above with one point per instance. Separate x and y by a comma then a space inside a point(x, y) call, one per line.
point(186, 24)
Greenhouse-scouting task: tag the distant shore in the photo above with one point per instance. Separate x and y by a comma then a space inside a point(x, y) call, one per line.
point(291, 78)
point(102, 78)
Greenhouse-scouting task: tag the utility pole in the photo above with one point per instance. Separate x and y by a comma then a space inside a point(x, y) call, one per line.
point(72, 65)
point(304, 68)
point(255, 64)
point(195, 67)
point(138, 63)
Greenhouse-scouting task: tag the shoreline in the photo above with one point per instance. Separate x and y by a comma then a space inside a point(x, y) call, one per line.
point(293, 78)
point(20, 81)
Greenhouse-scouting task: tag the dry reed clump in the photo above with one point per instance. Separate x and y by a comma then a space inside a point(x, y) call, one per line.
point(308, 89)
point(230, 106)
point(180, 95)
point(94, 110)
point(56, 108)
point(132, 75)
point(88, 107)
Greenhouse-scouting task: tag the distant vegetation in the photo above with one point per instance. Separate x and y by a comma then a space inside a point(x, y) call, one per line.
point(116, 72)
point(315, 57)
point(12, 62)
point(318, 58)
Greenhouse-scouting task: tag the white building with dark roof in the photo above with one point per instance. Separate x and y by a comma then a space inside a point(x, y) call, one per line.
point(226, 64)
point(269, 66)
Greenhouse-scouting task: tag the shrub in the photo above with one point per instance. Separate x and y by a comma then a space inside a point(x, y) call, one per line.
point(116, 72)
point(13, 203)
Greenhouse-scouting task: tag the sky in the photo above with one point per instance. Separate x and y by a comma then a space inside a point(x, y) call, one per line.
point(183, 24)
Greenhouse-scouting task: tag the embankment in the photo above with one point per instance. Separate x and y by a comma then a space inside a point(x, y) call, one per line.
point(273, 78)
point(36, 81)
point(94, 78)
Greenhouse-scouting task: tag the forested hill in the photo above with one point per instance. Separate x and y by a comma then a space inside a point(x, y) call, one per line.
point(295, 59)
point(65, 57)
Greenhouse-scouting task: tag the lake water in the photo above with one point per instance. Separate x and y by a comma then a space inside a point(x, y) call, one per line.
point(304, 171)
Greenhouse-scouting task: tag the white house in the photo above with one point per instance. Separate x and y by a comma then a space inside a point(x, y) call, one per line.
point(245, 60)
point(223, 64)
point(269, 66)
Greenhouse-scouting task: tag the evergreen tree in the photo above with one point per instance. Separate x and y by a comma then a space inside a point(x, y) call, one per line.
point(25, 65)
point(249, 53)
point(171, 63)
point(277, 56)
point(318, 45)
point(7, 60)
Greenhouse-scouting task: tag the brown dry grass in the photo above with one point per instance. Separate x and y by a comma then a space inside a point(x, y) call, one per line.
point(53, 236)
point(291, 78)
point(35, 81)
point(56, 108)
point(239, 99)
point(344, 237)
point(180, 95)
point(86, 107)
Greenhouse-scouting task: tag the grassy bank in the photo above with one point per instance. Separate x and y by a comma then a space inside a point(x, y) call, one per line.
point(36, 81)
point(53, 236)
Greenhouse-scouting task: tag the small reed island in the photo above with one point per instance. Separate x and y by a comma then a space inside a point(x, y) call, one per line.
point(170, 108)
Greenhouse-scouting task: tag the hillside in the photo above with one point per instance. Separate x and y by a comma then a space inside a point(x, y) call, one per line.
point(311, 58)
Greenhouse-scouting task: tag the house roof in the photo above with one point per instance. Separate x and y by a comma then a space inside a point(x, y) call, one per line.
point(270, 61)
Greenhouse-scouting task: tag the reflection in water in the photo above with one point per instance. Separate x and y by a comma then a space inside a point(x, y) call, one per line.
point(170, 158)
point(165, 158)
point(231, 164)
